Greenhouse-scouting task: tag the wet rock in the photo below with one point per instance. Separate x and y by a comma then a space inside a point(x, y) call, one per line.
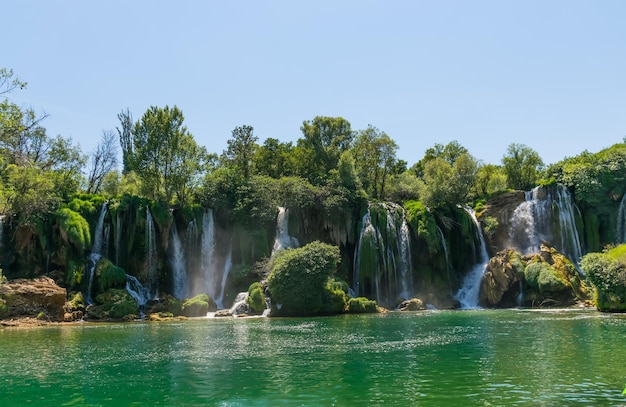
point(414, 304)
point(500, 285)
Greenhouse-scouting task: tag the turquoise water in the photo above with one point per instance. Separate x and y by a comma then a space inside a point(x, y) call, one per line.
point(455, 358)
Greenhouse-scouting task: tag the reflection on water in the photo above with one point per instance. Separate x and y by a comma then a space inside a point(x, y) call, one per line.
point(433, 358)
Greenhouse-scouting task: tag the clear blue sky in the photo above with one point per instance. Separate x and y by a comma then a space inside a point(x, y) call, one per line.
point(550, 74)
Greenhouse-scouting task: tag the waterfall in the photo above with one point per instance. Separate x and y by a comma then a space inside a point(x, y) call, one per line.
point(94, 258)
point(406, 279)
point(209, 269)
point(444, 246)
point(136, 290)
point(96, 251)
point(282, 239)
point(179, 270)
point(546, 215)
point(620, 228)
point(152, 259)
point(383, 255)
point(240, 306)
point(118, 238)
point(228, 265)
point(469, 292)
point(98, 237)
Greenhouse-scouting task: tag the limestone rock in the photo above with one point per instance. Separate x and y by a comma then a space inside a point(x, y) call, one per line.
point(28, 298)
point(500, 285)
point(501, 207)
point(414, 304)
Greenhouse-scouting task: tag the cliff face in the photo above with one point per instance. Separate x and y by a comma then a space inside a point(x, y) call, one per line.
point(501, 209)
point(38, 298)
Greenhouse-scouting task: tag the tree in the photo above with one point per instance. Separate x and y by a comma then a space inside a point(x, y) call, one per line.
point(8, 83)
point(449, 153)
point(126, 139)
point(164, 153)
point(325, 138)
point(375, 156)
point(275, 159)
point(445, 185)
point(241, 149)
point(490, 178)
point(522, 166)
point(102, 161)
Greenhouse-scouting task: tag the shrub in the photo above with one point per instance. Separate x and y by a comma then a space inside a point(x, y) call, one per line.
point(361, 305)
point(336, 297)
point(608, 276)
point(74, 228)
point(299, 277)
point(542, 276)
point(109, 275)
point(256, 298)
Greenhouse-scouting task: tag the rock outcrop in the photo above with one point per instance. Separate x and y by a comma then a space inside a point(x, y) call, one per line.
point(501, 209)
point(500, 285)
point(39, 298)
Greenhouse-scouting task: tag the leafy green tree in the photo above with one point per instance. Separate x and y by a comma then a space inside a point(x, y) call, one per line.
point(165, 155)
point(241, 150)
point(404, 187)
point(449, 153)
point(490, 178)
point(325, 138)
point(375, 156)
point(298, 281)
point(275, 159)
point(444, 184)
point(125, 134)
point(522, 166)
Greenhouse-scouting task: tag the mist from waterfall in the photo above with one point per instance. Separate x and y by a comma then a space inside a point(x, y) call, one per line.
point(468, 294)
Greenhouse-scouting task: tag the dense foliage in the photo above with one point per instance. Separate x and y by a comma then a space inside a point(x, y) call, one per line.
point(299, 281)
point(607, 273)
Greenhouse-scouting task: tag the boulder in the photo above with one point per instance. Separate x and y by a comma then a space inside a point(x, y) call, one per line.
point(500, 285)
point(501, 208)
point(31, 298)
point(414, 304)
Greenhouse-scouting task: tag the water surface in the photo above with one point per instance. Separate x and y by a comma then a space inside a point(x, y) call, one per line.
point(455, 358)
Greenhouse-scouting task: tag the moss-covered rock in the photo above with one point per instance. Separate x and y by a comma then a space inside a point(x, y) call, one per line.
point(197, 306)
point(361, 305)
point(500, 284)
point(109, 275)
point(114, 304)
point(256, 298)
point(607, 272)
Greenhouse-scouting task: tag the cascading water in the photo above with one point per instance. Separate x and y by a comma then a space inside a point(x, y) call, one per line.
point(179, 269)
point(228, 265)
point(444, 246)
point(96, 251)
point(383, 256)
point(151, 255)
point(406, 280)
point(136, 290)
point(546, 215)
point(212, 281)
point(118, 238)
point(282, 239)
point(469, 292)
point(620, 228)
point(98, 237)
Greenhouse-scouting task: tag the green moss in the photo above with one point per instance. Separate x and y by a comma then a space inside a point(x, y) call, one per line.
point(256, 298)
point(109, 275)
point(336, 297)
point(76, 301)
point(197, 306)
point(543, 277)
point(75, 228)
point(75, 273)
point(115, 303)
point(361, 305)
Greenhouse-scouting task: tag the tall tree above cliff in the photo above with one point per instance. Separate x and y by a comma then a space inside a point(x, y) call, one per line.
point(375, 158)
point(522, 166)
point(101, 162)
point(325, 138)
point(164, 153)
point(241, 150)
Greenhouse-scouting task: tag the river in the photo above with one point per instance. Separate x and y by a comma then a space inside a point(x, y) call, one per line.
point(431, 358)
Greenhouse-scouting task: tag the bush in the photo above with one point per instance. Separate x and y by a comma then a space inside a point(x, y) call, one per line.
point(335, 297)
point(361, 305)
point(109, 275)
point(299, 277)
point(197, 306)
point(542, 276)
point(74, 228)
point(256, 298)
point(607, 272)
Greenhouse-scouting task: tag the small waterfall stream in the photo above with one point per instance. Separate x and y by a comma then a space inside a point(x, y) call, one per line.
point(382, 255)
point(96, 251)
point(179, 269)
point(282, 239)
point(468, 294)
point(620, 228)
point(152, 259)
